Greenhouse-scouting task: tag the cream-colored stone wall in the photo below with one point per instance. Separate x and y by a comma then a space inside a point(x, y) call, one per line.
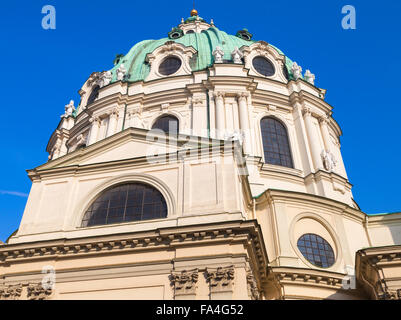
point(205, 179)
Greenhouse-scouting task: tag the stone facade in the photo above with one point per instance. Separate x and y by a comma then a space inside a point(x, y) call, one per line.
point(233, 219)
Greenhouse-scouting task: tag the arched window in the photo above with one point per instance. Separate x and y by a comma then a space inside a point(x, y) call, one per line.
point(94, 94)
point(124, 203)
point(168, 124)
point(275, 143)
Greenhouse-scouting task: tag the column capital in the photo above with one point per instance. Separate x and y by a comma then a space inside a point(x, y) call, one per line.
point(324, 119)
point(94, 120)
point(221, 278)
point(219, 95)
point(307, 111)
point(113, 112)
point(184, 282)
point(242, 95)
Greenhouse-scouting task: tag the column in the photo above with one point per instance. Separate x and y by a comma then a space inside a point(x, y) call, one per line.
point(112, 122)
point(244, 120)
point(94, 130)
point(184, 284)
point(221, 281)
point(220, 123)
point(325, 132)
point(314, 142)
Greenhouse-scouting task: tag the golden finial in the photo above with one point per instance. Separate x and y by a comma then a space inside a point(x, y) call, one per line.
point(194, 12)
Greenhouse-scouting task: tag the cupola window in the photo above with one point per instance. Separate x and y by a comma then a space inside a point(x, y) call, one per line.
point(244, 34)
point(263, 66)
point(175, 33)
point(316, 250)
point(169, 66)
point(276, 146)
point(125, 203)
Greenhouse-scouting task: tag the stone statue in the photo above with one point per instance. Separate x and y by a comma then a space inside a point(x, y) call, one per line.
point(296, 71)
point(218, 55)
point(309, 77)
point(329, 162)
point(105, 79)
point(69, 109)
point(237, 55)
point(121, 72)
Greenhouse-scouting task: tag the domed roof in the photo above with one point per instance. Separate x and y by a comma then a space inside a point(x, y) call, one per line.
point(204, 42)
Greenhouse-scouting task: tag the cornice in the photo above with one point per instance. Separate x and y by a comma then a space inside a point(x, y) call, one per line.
point(248, 82)
point(247, 232)
point(273, 195)
point(326, 109)
point(370, 266)
point(309, 277)
point(379, 220)
point(69, 163)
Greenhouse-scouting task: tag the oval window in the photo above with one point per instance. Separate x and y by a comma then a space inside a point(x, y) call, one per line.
point(316, 250)
point(263, 66)
point(170, 66)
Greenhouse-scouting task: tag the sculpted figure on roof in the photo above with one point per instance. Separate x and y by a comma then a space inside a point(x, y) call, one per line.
point(218, 55)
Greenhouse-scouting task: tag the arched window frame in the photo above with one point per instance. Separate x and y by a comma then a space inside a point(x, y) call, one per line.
point(95, 91)
point(170, 48)
point(125, 206)
point(261, 48)
point(265, 116)
point(164, 115)
point(82, 206)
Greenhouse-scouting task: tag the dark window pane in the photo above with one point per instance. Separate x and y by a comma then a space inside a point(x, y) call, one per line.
point(169, 66)
point(316, 250)
point(94, 95)
point(263, 66)
point(129, 202)
point(275, 143)
point(168, 124)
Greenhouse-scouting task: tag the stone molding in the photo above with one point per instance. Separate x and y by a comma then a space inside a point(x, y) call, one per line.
point(10, 292)
point(253, 291)
point(184, 282)
point(246, 232)
point(371, 269)
point(309, 277)
point(36, 291)
point(220, 279)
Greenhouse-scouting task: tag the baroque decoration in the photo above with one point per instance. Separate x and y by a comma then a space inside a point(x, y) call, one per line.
point(203, 165)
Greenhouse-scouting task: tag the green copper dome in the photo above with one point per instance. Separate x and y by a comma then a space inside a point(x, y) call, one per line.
point(204, 42)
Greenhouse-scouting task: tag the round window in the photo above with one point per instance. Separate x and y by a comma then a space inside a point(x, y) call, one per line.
point(316, 250)
point(169, 66)
point(263, 66)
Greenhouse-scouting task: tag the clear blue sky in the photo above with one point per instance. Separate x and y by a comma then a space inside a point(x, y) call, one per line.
point(43, 69)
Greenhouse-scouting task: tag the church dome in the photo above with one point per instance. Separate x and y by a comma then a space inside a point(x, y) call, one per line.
point(204, 42)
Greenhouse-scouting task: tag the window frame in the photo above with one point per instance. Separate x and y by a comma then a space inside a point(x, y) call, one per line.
point(288, 140)
point(167, 115)
point(84, 222)
point(267, 60)
point(172, 56)
point(324, 243)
